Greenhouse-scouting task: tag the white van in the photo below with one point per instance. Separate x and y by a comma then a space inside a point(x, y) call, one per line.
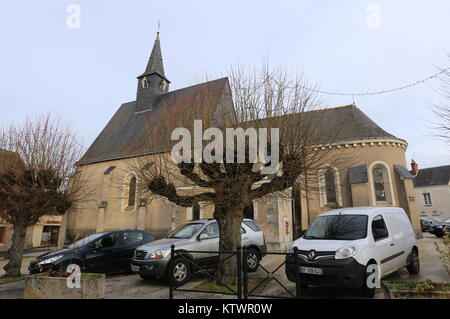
point(339, 246)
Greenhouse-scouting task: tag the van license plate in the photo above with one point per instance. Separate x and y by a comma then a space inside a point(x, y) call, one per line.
point(310, 270)
point(135, 268)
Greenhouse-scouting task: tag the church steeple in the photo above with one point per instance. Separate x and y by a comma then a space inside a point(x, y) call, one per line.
point(153, 81)
point(155, 62)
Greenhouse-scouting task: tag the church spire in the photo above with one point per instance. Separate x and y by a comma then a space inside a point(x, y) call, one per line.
point(153, 81)
point(155, 62)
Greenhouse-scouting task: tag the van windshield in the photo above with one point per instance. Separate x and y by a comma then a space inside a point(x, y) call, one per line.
point(338, 227)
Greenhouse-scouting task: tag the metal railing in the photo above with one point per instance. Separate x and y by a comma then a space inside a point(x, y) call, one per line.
point(242, 279)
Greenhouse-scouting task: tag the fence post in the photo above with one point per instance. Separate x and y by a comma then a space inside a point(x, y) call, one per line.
point(239, 271)
point(245, 274)
point(172, 255)
point(297, 273)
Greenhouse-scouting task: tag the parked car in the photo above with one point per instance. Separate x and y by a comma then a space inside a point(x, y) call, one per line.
point(153, 259)
point(439, 228)
point(425, 223)
point(339, 246)
point(107, 252)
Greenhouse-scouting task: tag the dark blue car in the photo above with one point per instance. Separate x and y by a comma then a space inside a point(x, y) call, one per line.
point(107, 252)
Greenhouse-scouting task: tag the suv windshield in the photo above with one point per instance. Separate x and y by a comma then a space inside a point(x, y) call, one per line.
point(338, 227)
point(186, 231)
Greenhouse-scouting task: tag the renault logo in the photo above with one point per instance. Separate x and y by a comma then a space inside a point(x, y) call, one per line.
point(311, 255)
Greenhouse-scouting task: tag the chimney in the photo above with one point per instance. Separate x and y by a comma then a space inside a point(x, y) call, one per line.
point(414, 168)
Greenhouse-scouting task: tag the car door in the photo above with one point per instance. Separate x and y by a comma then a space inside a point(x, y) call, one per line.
point(128, 241)
point(100, 254)
point(398, 238)
point(246, 237)
point(384, 247)
point(209, 244)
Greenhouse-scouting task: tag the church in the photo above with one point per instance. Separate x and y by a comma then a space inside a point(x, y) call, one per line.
point(375, 174)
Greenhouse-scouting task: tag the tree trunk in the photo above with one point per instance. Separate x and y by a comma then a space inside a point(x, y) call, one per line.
point(229, 220)
point(15, 252)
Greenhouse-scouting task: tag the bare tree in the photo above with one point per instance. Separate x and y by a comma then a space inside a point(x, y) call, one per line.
point(264, 99)
point(442, 109)
point(37, 177)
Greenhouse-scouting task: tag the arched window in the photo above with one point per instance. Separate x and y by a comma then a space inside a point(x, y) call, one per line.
point(144, 83)
point(330, 186)
point(196, 212)
point(132, 191)
point(381, 183)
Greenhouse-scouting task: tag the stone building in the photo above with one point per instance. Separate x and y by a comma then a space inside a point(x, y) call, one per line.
point(374, 174)
point(46, 232)
point(432, 187)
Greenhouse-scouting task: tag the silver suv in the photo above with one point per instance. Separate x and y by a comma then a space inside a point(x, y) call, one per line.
point(153, 259)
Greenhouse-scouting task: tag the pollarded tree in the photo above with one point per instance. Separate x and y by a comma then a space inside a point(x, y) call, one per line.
point(220, 160)
point(37, 178)
point(442, 109)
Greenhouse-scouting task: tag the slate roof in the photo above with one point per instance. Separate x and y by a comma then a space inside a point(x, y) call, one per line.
point(350, 123)
point(155, 62)
point(403, 172)
point(432, 176)
point(126, 134)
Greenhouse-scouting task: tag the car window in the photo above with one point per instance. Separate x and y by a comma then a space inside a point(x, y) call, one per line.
point(186, 231)
point(106, 241)
point(212, 230)
point(252, 225)
point(379, 229)
point(130, 237)
point(243, 230)
point(84, 241)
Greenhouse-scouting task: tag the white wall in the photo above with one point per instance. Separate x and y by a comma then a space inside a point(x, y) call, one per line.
point(440, 201)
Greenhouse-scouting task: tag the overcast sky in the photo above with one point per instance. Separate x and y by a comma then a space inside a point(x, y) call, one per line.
point(84, 74)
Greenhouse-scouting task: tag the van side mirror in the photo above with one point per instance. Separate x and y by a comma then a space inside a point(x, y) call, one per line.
point(302, 232)
point(203, 236)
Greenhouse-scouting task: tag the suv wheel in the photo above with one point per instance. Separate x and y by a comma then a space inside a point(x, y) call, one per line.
point(414, 264)
point(252, 260)
point(179, 271)
point(365, 290)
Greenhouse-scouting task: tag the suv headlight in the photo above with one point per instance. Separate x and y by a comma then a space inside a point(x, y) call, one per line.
point(50, 260)
point(159, 254)
point(346, 252)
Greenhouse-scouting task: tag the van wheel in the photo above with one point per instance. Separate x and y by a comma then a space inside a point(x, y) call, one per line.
point(365, 290)
point(252, 260)
point(179, 272)
point(414, 264)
